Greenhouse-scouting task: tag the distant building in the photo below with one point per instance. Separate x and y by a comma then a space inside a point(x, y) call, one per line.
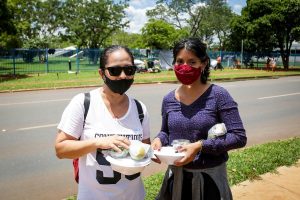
point(295, 48)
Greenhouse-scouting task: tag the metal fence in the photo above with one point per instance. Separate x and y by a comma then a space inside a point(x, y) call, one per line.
point(25, 61)
point(18, 61)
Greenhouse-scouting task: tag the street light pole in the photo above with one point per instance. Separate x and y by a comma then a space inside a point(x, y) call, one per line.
point(242, 53)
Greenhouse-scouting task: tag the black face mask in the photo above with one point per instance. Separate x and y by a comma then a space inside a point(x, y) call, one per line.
point(118, 86)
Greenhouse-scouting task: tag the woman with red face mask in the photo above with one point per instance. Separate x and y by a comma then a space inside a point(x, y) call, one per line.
point(188, 112)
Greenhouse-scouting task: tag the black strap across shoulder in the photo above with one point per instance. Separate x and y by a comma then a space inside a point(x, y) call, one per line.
point(86, 104)
point(140, 110)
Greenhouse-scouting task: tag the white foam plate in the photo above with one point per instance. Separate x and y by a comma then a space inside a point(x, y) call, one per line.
point(127, 165)
point(128, 161)
point(168, 155)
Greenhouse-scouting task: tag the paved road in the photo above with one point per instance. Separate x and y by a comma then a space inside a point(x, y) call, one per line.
point(29, 169)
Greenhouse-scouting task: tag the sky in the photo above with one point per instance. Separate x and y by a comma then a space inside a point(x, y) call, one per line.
point(136, 12)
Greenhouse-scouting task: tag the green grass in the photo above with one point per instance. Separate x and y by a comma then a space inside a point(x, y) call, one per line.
point(243, 164)
point(246, 164)
point(54, 64)
point(58, 80)
point(60, 63)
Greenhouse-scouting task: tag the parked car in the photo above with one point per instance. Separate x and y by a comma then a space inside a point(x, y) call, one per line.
point(140, 66)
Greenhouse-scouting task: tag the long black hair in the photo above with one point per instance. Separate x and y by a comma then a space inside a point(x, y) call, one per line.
point(107, 51)
point(199, 49)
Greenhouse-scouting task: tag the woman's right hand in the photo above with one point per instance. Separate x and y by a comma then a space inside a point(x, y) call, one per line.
point(156, 145)
point(112, 142)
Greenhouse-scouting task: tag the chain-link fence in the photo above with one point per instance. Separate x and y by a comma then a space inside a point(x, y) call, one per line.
point(25, 61)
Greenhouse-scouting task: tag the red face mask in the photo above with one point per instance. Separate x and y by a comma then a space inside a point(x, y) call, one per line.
point(187, 74)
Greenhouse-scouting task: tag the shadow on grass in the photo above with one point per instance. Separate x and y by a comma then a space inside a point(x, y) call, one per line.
point(3, 68)
point(9, 77)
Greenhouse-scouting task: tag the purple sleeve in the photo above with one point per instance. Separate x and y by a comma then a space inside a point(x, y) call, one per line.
point(163, 135)
point(228, 113)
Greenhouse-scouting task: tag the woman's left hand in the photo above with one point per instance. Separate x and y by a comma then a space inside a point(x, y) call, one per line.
point(190, 151)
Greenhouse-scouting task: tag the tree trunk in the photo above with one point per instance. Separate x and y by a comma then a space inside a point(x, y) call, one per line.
point(94, 52)
point(285, 61)
point(285, 56)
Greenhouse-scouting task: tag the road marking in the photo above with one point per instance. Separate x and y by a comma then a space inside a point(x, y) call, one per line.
point(36, 127)
point(29, 102)
point(283, 95)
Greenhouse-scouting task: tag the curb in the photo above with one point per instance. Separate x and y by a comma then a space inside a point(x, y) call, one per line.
point(159, 82)
point(55, 88)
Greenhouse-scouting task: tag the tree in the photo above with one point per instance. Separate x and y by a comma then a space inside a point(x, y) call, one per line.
point(170, 11)
point(131, 40)
point(6, 24)
point(180, 13)
point(199, 18)
point(25, 18)
point(218, 17)
point(50, 16)
point(7, 28)
point(272, 24)
point(35, 21)
point(90, 23)
point(159, 34)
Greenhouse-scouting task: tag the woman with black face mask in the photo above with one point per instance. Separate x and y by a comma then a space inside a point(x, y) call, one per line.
point(112, 121)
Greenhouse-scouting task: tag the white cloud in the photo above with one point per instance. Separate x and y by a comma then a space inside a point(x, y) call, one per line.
point(237, 8)
point(237, 5)
point(142, 3)
point(136, 14)
point(137, 18)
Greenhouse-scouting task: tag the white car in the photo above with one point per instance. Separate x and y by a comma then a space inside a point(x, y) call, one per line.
point(140, 65)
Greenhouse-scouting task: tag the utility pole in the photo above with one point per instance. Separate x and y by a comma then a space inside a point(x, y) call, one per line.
point(242, 53)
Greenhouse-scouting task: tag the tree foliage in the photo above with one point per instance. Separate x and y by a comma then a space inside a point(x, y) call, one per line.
point(266, 25)
point(199, 18)
point(131, 40)
point(25, 18)
point(90, 23)
point(38, 23)
point(217, 19)
point(7, 27)
point(159, 34)
point(6, 16)
point(50, 17)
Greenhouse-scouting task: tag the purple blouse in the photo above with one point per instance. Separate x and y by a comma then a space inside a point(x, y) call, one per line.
point(192, 122)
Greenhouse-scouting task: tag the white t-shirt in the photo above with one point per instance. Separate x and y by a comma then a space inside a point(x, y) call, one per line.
point(97, 180)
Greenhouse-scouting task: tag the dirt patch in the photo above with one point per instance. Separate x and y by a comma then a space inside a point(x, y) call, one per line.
point(9, 77)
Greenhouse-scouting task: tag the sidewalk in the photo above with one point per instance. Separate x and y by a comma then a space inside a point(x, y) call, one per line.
point(281, 185)
point(284, 185)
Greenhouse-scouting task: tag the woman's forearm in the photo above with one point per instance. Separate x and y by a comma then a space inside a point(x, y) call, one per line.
point(74, 148)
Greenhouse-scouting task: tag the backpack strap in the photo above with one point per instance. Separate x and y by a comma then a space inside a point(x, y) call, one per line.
point(86, 104)
point(140, 110)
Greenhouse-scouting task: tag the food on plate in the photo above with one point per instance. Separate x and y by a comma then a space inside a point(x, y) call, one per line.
point(179, 142)
point(115, 154)
point(137, 150)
